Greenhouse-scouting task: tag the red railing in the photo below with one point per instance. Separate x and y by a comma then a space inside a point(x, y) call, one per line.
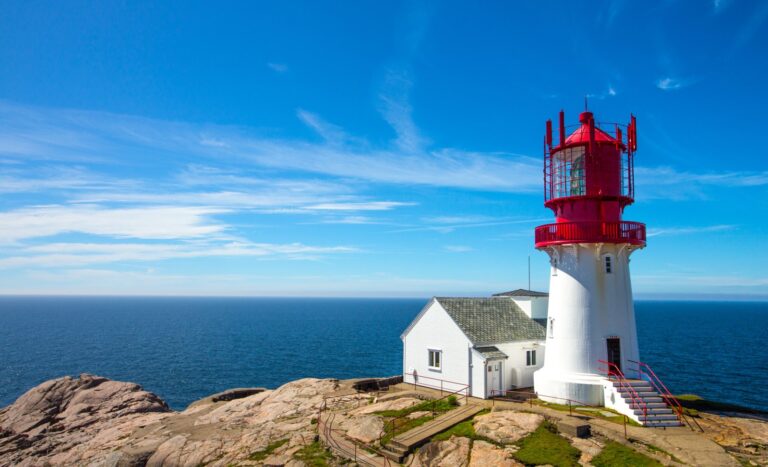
point(614, 372)
point(590, 232)
point(645, 370)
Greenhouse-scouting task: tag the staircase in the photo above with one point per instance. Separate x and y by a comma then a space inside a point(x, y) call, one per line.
point(642, 403)
point(399, 447)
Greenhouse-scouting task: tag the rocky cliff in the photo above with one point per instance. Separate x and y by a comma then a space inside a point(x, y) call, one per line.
point(97, 422)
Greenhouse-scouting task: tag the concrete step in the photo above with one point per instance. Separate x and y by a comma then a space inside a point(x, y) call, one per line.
point(654, 412)
point(652, 417)
point(662, 423)
point(633, 383)
point(642, 394)
point(391, 455)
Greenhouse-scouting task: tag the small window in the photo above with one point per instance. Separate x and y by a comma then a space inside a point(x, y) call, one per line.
point(608, 264)
point(530, 358)
point(554, 267)
point(435, 359)
point(551, 327)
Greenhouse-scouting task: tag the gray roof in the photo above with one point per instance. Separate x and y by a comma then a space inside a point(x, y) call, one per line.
point(521, 293)
point(491, 353)
point(491, 320)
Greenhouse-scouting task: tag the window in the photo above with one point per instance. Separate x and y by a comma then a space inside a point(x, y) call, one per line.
point(435, 359)
point(554, 267)
point(551, 327)
point(608, 264)
point(530, 358)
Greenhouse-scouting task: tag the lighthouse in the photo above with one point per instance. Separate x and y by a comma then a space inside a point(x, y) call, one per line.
point(590, 326)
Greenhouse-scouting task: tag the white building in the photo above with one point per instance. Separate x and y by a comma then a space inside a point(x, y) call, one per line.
point(487, 345)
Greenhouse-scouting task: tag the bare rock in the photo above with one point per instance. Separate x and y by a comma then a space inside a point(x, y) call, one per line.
point(507, 426)
point(418, 414)
point(450, 453)
point(365, 428)
point(97, 422)
point(485, 454)
point(392, 404)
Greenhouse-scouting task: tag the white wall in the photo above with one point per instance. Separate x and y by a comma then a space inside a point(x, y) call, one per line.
point(586, 306)
point(436, 330)
point(534, 307)
point(478, 375)
point(516, 373)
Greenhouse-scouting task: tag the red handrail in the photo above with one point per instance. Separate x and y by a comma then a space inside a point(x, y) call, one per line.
point(614, 370)
point(666, 395)
point(579, 232)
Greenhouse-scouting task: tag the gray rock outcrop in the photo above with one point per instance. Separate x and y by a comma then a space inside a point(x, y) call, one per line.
point(94, 421)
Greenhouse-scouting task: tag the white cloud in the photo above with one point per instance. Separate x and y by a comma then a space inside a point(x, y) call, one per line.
point(670, 84)
point(669, 231)
point(90, 135)
point(162, 222)
point(363, 206)
point(458, 248)
point(83, 254)
point(278, 67)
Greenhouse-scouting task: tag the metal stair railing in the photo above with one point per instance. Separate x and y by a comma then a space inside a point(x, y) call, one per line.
point(612, 370)
point(666, 395)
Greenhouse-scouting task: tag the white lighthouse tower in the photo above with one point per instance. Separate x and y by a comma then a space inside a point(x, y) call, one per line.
point(588, 181)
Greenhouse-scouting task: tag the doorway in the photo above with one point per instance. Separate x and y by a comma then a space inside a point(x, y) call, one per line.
point(493, 379)
point(614, 352)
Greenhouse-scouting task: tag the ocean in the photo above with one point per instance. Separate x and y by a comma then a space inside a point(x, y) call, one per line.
point(184, 349)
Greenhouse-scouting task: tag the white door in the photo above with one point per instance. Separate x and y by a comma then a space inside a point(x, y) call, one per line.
point(493, 379)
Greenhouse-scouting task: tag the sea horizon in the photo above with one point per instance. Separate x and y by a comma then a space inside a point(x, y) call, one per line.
point(186, 348)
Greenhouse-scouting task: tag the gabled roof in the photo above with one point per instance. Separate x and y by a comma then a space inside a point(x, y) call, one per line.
point(491, 353)
point(491, 320)
point(521, 293)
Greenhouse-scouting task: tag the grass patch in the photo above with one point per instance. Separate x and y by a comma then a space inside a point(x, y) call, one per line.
point(267, 451)
point(616, 418)
point(314, 455)
point(657, 449)
point(545, 446)
point(617, 454)
point(464, 429)
point(402, 425)
point(438, 406)
point(694, 402)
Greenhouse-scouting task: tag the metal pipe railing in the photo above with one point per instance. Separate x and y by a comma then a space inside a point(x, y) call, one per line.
point(614, 370)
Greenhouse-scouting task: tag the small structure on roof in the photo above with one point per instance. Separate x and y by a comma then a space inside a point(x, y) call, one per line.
point(487, 345)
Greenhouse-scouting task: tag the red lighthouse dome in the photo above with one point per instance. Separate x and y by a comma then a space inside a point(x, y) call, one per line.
point(588, 180)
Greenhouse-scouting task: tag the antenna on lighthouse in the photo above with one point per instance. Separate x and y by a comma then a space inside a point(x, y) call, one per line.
point(529, 272)
point(586, 107)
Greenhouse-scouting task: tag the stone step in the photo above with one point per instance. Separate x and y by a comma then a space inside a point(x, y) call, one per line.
point(633, 383)
point(642, 394)
point(662, 423)
point(391, 455)
point(654, 411)
point(652, 417)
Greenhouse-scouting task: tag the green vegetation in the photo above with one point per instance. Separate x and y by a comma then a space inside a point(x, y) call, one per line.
point(437, 406)
point(657, 449)
point(581, 410)
point(314, 455)
point(697, 403)
point(464, 429)
point(401, 425)
point(267, 451)
point(545, 446)
point(617, 454)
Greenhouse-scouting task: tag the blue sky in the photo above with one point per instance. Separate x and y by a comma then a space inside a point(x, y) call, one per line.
point(367, 148)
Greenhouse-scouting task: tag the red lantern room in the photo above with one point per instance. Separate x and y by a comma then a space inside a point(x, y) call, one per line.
point(588, 180)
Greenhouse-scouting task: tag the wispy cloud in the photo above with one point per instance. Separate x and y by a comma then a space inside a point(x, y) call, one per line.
point(671, 231)
point(90, 135)
point(165, 222)
point(668, 183)
point(83, 254)
point(458, 248)
point(671, 84)
point(277, 67)
point(443, 225)
point(370, 206)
